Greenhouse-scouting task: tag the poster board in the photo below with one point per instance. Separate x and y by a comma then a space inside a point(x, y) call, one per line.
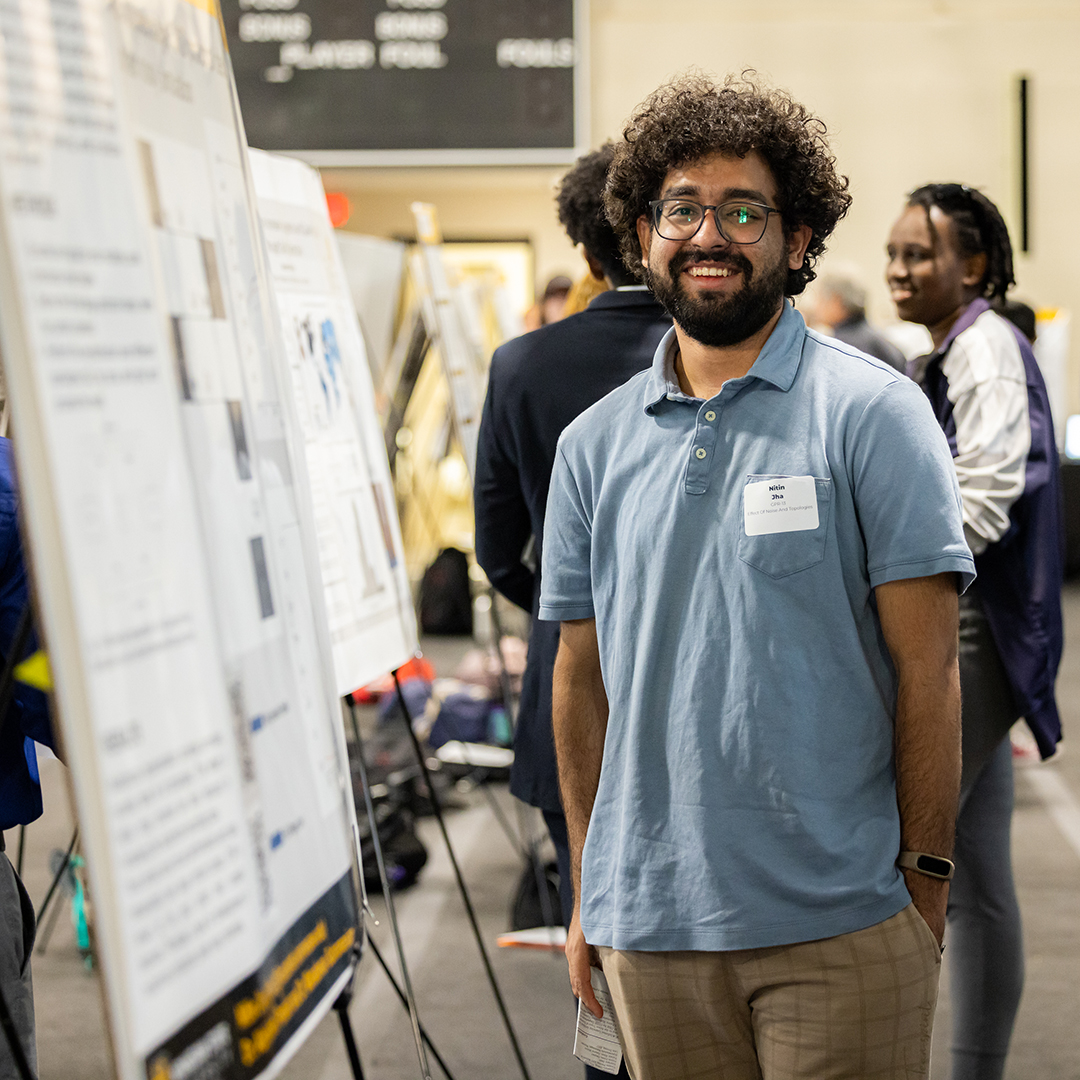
point(1053, 331)
point(374, 268)
point(479, 82)
point(453, 324)
point(171, 539)
point(365, 582)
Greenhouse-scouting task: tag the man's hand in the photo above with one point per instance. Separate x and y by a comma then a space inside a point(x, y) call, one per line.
point(580, 958)
point(930, 897)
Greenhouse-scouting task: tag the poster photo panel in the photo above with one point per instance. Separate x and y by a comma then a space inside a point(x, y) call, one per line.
point(164, 485)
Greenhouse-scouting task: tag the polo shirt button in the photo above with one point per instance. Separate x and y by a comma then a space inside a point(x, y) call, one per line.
point(701, 452)
point(710, 416)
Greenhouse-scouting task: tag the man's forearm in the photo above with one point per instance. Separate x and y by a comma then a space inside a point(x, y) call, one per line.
point(579, 719)
point(919, 622)
point(928, 781)
point(928, 759)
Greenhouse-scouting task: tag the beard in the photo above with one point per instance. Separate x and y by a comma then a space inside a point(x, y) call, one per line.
point(716, 320)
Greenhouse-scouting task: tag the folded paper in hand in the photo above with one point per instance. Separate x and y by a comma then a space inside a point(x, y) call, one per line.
point(596, 1042)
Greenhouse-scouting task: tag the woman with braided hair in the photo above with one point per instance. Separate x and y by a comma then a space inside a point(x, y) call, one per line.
point(949, 258)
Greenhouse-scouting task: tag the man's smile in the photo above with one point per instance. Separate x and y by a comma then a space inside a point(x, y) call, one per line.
point(711, 271)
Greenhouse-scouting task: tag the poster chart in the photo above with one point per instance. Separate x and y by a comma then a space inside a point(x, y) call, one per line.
point(165, 493)
point(366, 586)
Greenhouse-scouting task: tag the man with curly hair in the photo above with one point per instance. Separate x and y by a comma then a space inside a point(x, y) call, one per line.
point(754, 550)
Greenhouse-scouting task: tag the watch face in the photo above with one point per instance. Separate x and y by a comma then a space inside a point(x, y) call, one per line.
point(931, 864)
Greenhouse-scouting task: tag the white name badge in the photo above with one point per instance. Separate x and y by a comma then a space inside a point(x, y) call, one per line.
point(786, 504)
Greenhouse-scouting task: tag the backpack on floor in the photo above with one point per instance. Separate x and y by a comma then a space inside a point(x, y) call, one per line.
point(446, 596)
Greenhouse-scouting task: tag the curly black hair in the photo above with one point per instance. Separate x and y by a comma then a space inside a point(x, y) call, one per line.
point(980, 230)
point(580, 200)
point(690, 118)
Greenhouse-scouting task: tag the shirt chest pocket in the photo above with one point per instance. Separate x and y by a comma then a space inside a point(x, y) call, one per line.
point(785, 523)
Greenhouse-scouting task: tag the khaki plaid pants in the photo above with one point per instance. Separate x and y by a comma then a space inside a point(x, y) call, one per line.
point(859, 1006)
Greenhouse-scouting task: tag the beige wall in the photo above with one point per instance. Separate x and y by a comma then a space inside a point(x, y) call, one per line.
point(473, 204)
point(912, 91)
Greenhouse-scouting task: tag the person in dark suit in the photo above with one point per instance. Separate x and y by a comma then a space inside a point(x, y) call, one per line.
point(538, 384)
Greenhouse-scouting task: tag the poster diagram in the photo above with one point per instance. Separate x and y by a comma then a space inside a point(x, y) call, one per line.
point(165, 488)
point(368, 603)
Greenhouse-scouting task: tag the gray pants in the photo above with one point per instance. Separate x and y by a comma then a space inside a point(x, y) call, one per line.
point(16, 944)
point(985, 948)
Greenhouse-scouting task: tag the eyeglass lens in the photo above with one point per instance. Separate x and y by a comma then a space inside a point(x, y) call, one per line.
point(739, 222)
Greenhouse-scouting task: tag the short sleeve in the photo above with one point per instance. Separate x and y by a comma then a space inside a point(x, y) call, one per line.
point(566, 578)
point(906, 492)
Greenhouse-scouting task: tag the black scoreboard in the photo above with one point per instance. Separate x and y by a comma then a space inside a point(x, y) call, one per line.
point(385, 81)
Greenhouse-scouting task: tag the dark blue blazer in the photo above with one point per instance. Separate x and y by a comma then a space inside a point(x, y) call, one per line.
point(538, 384)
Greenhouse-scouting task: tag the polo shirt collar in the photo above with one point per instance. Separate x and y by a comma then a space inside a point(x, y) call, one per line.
point(777, 363)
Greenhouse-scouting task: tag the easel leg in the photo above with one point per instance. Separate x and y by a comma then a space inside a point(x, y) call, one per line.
point(466, 900)
point(405, 1001)
point(59, 877)
point(342, 1008)
point(46, 929)
point(391, 908)
point(504, 675)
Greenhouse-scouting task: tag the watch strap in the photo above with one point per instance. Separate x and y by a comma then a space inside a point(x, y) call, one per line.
point(931, 865)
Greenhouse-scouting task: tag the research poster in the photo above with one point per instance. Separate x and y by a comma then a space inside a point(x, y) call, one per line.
point(173, 547)
point(365, 583)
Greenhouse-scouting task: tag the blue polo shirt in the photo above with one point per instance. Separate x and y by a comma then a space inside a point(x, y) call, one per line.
point(747, 795)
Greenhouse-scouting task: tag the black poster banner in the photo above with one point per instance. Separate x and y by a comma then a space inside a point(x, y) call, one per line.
point(236, 1036)
point(406, 75)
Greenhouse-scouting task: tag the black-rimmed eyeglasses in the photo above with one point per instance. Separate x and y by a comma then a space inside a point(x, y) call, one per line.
point(738, 222)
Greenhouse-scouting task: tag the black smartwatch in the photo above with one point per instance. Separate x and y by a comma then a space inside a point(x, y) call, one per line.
point(931, 865)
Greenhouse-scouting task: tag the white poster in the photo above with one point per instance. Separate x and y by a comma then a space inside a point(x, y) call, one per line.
point(369, 608)
point(171, 538)
point(374, 269)
point(453, 322)
point(1052, 352)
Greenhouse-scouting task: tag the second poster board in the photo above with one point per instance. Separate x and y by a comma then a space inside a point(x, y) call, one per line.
point(368, 600)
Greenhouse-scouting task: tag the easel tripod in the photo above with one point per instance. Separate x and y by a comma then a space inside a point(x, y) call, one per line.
point(423, 1042)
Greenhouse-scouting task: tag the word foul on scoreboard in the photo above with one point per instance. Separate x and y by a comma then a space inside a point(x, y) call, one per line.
point(404, 74)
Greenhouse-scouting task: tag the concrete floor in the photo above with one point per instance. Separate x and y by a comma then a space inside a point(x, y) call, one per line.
point(456, 1003)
